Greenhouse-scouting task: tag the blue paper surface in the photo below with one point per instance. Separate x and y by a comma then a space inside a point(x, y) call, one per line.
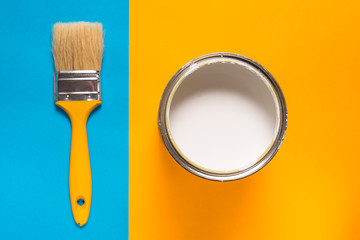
point(35, 134)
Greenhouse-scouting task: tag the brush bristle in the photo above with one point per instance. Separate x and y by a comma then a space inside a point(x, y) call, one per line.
point(77, 46)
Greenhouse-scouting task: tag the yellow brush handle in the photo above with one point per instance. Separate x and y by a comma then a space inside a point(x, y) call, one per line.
point(80, 171)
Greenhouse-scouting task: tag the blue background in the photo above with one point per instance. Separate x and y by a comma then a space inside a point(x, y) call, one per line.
point(35, 135)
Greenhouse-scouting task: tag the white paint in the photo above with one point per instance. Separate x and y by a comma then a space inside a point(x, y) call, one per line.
point(223, 116)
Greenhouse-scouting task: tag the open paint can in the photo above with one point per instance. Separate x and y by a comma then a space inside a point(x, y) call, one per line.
point(222, 116)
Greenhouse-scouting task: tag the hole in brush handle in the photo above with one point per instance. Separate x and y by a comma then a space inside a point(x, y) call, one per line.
point(80, 202)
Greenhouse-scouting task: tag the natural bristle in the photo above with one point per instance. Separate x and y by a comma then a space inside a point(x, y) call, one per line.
point(77, 46)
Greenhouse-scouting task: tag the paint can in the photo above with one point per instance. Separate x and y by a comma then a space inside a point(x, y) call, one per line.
point(222, 116)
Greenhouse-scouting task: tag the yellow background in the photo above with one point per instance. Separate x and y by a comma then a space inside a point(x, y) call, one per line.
point(311, 189)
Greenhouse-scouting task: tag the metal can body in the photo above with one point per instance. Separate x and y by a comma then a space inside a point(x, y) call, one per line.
point(165, 131)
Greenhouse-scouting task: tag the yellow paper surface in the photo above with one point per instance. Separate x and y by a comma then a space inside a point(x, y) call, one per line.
point(311, 189)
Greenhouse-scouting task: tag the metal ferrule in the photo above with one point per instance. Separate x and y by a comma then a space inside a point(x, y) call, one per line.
point(79, 85)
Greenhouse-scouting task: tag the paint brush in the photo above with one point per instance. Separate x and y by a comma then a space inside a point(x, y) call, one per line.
point(78, 50)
